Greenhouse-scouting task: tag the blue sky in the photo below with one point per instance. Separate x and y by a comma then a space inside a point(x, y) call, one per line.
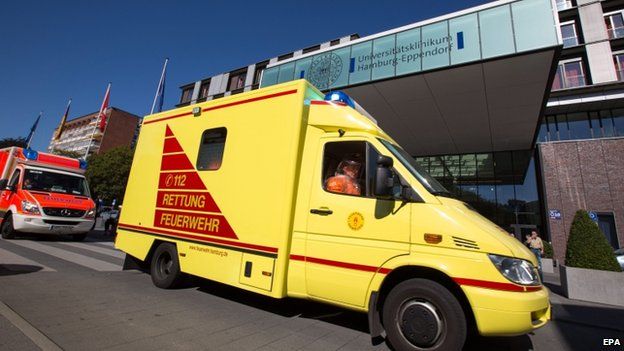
point(53, 50)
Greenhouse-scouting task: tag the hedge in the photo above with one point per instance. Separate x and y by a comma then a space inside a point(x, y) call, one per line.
point(588, 247)
point(548, 249)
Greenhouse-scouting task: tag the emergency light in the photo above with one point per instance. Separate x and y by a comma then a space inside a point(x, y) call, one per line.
point(341, 97)
point(83, 164)
point(31, 154)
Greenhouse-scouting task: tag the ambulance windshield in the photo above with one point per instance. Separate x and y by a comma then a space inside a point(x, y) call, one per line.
point(63, 183)
point(432, 185)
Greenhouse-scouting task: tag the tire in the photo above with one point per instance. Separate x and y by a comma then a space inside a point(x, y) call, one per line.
point(165, 267)
point(7, 230)
point(420, 314)
point(79, 237)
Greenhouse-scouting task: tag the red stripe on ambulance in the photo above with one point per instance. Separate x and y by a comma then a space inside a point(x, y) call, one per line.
point(176, 162)
point(199, 223)
point(171, 146)
point(194, 201)
point(180, 180)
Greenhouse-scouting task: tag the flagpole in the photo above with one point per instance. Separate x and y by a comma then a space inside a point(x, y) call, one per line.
point(97, 120)
point(32, 131)
point(160, 83)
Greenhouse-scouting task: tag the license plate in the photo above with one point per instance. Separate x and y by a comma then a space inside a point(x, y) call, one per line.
point(59, 228)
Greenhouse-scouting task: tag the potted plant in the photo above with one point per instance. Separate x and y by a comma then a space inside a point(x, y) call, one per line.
point(591, 271)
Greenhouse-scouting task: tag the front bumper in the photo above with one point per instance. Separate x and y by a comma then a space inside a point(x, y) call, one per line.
point(51, 225)
point(504, 313)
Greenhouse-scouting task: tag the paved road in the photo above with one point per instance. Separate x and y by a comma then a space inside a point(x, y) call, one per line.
point(74, 296)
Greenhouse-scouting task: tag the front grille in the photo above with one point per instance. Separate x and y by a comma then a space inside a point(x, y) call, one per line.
point(467, 243)
point(58, 222)
point(63, 212)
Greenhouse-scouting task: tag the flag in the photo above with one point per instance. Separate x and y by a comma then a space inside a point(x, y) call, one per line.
point(59, 131)
point(103, 109)
point(159, 98)
point(32, 130)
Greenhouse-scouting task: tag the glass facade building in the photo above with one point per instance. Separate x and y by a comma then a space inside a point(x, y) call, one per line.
point(502, 186)
point(470, 36)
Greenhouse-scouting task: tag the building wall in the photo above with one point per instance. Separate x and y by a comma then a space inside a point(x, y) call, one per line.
point(582, 174)
point(119, 131)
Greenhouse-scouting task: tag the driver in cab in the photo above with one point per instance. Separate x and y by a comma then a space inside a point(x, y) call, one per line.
point(345, 179)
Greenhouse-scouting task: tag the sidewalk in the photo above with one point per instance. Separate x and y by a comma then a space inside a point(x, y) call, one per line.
point(582, 312)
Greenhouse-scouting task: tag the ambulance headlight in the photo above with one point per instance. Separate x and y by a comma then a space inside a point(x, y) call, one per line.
point(91, 213)
point(30, 208)
point(516, 270)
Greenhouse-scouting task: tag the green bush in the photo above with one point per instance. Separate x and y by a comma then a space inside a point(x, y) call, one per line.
point(548, 250)
point(588, 247)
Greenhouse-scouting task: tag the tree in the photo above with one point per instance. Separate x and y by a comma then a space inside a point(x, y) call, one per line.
point(588, 247)
point(108, 173)
point(8, 142)
point(67, 153)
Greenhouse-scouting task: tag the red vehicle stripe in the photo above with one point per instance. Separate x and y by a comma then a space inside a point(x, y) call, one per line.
point(258, 98)
point(199, 238)
point(355, 266)
point(323, 102)
point(175, 162)
point(171, 145)
point(495, 285)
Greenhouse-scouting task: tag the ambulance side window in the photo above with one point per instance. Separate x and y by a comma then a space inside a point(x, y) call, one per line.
point(15, 178)
point(344, 168)
point(211, 149)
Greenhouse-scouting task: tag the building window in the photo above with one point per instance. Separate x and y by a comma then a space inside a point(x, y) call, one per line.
point(237, 81)
point(258, 73)
point(187, 94)
point(568, 33)
point(564, 5)
point(618, 60)
point(211, 149)
point(203, 89)
point(615, 24)
point(570, 74)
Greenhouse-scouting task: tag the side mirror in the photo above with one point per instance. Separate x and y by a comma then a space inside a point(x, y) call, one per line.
point(3, 184)
point(384, 180)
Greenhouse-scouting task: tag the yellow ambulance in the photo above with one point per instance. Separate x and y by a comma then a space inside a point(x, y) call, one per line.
point(289, 193)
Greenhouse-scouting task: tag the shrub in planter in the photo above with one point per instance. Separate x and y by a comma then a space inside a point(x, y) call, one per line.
point(588, 247)
point(548, 249)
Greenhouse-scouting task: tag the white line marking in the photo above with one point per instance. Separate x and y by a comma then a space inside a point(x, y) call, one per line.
point(8, 257)
point(82, 260)
point(98, 249)
point(28, 329)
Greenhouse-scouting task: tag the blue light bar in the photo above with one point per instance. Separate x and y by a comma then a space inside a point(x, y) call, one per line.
point(31, 154)
point(341, 97)
point(83, 164)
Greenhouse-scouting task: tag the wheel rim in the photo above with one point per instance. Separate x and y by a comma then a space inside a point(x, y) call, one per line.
point(165, 263)
point(420, 323)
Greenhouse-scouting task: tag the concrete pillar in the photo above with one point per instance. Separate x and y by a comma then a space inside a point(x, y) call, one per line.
point(251, 69)
point(195, 92)
point(597, 43)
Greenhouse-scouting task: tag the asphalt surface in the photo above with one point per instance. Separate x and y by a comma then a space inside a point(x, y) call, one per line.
point(58, 294)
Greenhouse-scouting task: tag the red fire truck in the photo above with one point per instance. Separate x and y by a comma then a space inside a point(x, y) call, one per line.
point(44, 194)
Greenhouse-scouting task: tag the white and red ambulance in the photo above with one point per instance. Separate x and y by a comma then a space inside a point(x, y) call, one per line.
point(44, 194)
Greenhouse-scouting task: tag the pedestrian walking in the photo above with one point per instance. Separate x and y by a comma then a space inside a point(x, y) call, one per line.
point(537, 247)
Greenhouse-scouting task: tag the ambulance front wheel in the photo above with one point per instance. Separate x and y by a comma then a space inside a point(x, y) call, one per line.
point(7, 230)
point(165, 267)
point(420, 314)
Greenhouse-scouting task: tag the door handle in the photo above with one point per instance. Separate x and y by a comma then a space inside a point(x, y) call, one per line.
point(321, 211)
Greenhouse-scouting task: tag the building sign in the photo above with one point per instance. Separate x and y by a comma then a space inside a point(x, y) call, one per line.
point(554, 214)
point(489, 31)
point(593, 216)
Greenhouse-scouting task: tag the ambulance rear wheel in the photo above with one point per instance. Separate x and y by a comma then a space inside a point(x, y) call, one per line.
point(7, 230)
point(420, 314)
point(165, 267)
